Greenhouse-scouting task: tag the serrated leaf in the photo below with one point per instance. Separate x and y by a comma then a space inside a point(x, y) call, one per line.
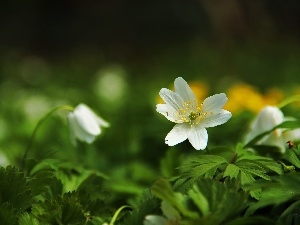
point(253, 168)
point(256, 193)
point(14, 189)
point(246, 178)
point(28, 219)
point(211, 172)
point(271, 165)
point(273, 195)
point(45, 185)
point(148, 205)
point(66, 209)
point(197, 167)
point(163, 190)
point(218, 197)
point(292, 157)
point(8, 214)
point(231, 171)
point(224, 152)
point(203, 160)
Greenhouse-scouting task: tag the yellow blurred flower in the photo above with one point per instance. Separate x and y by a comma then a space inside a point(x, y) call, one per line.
point(273, 96)
point(243, 96)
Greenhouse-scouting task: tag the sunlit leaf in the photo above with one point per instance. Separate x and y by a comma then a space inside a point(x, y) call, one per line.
point(231, 171)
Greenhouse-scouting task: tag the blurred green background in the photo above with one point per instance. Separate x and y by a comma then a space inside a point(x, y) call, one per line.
point(115, 56)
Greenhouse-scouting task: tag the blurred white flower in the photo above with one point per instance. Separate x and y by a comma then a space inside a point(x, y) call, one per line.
point(155, 220)
point(192, 118)
point(267, 119)
point(111, 86)
point(84, 124)
point(4, 161)
point(172, 216)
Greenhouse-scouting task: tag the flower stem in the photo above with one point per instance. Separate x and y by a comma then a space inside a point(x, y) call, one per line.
point(41, 121)
point(117, 213)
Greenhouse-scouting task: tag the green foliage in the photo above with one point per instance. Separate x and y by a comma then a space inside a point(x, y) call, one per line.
point(65, 209)
point(281, 190)
point(15, 195)
point(28, 219)
point(243, 165)
point(292, 156)
point(148, 205)
point(109, 182)
point(197, 167)
point(206, 202)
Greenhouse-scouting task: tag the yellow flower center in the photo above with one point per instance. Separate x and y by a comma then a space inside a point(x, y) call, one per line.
point(191, 113)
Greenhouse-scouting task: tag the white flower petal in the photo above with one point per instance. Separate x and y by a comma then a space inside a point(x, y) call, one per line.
point(292, 135)
point(178, 134)
point(214, 103)
point(183, 89)
point(87, 119)
point(155, 220)
point(198, 137)
point(274, 139)
point(267, 118)
point(84, 124)
point(171, 98)
point(89, 112)
point(76, 131)
point(216, 119)
point(168, 112)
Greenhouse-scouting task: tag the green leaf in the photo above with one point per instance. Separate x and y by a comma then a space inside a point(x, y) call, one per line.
point(249, 166)
point(14, 189)
point(45, 185)
point(246, 178)
point(66, 209)
point(225, 152)
point(148, 205)
point(8, 214)
point(292, 157)
point(200, 200)
point(218, 196)
point(271, 165)
point(231, 171)
point(289, 100)
point(197, 167)
point(273, 195)
point(163, 190)
point(290, 215)
point(28, 219)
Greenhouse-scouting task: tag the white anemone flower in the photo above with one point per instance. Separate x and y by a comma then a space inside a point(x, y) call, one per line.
point(84, 124)
point(267, 119)
point(171, 216)
point(192, 118)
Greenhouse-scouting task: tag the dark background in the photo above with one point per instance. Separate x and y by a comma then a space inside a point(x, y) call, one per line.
point(192, 37)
